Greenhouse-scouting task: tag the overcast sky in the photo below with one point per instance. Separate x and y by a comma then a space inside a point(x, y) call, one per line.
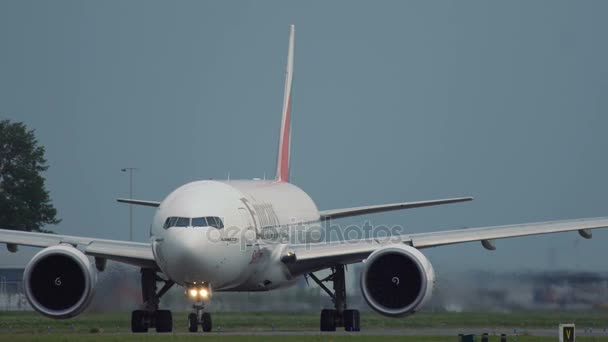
point(393, 101)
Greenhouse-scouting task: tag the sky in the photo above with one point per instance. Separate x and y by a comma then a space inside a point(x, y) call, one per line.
point(393, 101)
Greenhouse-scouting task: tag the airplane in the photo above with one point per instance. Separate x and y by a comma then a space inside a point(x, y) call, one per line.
point(211, 236)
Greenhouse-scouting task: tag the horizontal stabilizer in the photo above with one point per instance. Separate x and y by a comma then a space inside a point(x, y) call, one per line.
point(138, 202)
point(371, 209)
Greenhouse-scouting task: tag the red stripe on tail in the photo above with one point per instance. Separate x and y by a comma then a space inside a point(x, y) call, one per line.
point(282, 174)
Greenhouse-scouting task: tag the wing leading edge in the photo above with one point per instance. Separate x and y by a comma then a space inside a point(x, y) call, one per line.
point(309, 258)
point(134, 253)
point(371, 209)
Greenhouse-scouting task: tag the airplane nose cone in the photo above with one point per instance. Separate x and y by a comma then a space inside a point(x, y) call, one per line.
point(199, 255)
point(189, 256)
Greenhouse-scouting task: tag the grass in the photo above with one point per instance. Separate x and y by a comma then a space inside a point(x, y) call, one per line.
point(29, 326)
point(300, 338)
point(30, 322)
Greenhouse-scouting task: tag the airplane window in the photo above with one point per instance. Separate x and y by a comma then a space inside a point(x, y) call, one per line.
point(211, 221)
point(182, 222)
point(171, 222)
point(215, 222)
point(166, 225)
point(199, 222)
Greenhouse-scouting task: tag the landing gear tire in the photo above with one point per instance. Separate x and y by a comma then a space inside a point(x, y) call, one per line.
point(339, 316)
point(139, 322)
point(164, 321)
point(151, 316)
point(192, 322)
point(351, 320)
point(328, 320)
point(206, 322)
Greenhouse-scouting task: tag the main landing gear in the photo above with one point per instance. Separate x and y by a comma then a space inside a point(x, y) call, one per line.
point(339, 316)
point(151, 316)
point(199, 318)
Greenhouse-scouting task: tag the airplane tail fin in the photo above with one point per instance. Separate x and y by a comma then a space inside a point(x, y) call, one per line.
point(282, 172)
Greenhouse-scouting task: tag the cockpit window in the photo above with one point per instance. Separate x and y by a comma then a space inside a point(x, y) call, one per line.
point(215, 222)
point(210, 221)
point(199, 222)
point(170, 222)
point(182, 222)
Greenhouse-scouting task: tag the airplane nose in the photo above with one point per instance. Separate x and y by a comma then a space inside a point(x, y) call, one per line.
point(203, 254)
point(189, 255)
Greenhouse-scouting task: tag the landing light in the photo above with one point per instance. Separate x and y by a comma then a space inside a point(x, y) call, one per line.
point(198, 292)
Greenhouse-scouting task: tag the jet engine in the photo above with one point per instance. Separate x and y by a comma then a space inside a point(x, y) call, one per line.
point(397, 280)
point(59, 281)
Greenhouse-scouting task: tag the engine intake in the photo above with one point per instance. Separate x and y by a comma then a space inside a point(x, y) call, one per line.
point(397, 280)
point(59, 281)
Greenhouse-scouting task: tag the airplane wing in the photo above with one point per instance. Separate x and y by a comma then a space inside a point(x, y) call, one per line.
point(306, 258)
point(134, 253)
point(371, 209)
point(138, 202)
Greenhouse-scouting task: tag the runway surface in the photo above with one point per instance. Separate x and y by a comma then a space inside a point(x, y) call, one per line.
point(417, 332)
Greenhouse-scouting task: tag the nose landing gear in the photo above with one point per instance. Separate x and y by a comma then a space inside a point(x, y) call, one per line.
point(199, 318)
point(199, 292)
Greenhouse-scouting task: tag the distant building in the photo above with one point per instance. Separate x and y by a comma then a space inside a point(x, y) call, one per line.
point(11, 289)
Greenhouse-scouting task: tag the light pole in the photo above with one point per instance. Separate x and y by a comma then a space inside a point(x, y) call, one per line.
point(130, 170)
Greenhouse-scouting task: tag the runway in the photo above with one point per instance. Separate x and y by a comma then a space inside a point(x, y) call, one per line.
point(414, 332)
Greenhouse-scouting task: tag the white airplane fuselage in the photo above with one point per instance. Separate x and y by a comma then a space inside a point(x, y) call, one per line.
point(234, 257)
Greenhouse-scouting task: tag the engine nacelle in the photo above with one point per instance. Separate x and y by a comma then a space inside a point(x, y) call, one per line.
point(397, 280)
point(59, 281)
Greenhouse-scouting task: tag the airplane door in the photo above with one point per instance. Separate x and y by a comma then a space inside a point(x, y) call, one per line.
point(249, 231)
